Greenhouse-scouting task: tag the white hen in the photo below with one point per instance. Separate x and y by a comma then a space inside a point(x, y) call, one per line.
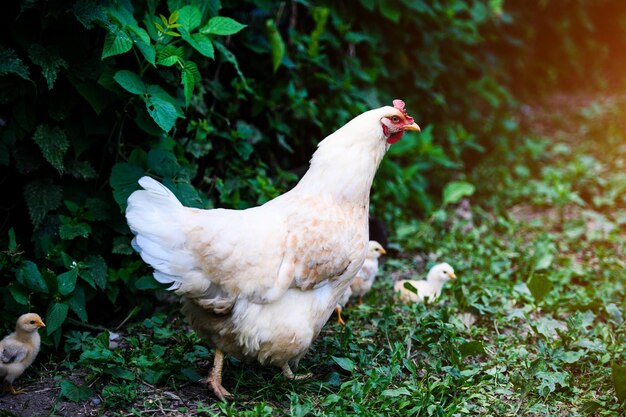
point(431, 288)
point(260, 283)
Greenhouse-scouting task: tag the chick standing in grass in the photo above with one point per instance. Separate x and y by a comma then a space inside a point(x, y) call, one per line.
point(19, 349)
point(430, 288)
point(364, 279)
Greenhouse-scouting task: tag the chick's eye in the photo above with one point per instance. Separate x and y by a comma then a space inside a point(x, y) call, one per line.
point(395, 119)
point(32, 322)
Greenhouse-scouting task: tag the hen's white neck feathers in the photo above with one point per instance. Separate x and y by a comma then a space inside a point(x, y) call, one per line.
point(346, 161)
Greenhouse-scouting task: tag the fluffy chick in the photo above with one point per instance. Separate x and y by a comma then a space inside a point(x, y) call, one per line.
point(19, 349)
point(364, 279)
point(430, 288)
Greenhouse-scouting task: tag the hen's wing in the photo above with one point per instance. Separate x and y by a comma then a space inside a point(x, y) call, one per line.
point(219, 255)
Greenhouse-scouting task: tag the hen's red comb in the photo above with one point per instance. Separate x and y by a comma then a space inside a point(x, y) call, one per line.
point(399, 104)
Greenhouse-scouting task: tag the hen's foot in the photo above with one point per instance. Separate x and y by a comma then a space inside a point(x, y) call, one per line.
point(360, 299)
point(289, 374)
point(339, 319)
point(214, 381)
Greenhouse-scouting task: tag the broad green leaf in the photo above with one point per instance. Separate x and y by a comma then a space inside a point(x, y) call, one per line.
point(344, 363)
point(78, 305)
point(28, 275)
point(130, 82)
point(53, 144)
point(472, 348)
point(10, 63)
point(618, 373)
point(548, 327)
point(141, 40)
point(75, 393)
point(161, 107)
point(56, 315)
point(398, 392)
point(199, 42)
point(123, 180)
point(189, 17)
point(19, 294)
point(539, 286)
point(189, 77)
point(549, 380)
point(391, 10)
point(116, 42)
point(220, 25)
point(49, 61)
point(41, 198)
point(163, 163)
point(89, 12)
point(147, 282)
point(276, 42)
point(170, 55)
point(82, 170)
point(71, 229)
point(456, 190)
point(66, 282)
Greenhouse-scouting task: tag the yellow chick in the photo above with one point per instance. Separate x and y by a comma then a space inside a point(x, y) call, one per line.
point(19, 349)
point(430, 288)
point(364, 279)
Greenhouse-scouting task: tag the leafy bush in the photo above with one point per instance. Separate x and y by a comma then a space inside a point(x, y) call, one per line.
point(224, 105)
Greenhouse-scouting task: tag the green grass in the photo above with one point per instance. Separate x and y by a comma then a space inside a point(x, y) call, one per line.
point(534, 326)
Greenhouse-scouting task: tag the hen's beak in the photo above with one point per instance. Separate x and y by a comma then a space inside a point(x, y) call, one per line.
point(413, 127)
point(453, 275)
point(383, 251)
point(40, 323)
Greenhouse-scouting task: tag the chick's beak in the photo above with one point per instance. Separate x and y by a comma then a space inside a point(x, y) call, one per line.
point(452, 275)
point(40, 324)
point(383, 251)
point(412, 127)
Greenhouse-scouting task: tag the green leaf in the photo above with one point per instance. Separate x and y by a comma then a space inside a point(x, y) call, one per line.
point(548, 327)
point(66, 282)
point(473, 348)
point(96, 270)
point(70, 229)
point(88, 12)
point(19, 294)
point(53, 144)
point(75, 393)
point(230, 57)
point(199, 42)
point(276, 42)
point(147, 282)
point(456, 190)
point(116, 42)
point(395, 392)
point(390, 10)
point(41, 198)
point(10, 63)
point(49, 61)
point(163, 163)
point(28, 274)
point(344, 363)
point(56, 315)
point(189, 76)
point(618, 374)
point(539, 286)
point(83, 170)
point(78, 305)
point(130, 82)
point(220, 25)
point(549, 381)
point(189, 17)
point(161, 107)
point(123, 180)
point(170, 55)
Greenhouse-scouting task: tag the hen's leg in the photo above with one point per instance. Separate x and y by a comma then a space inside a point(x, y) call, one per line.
point(360, 299)
point(289, 374)
point(339, 319)
point(11, 389)
point(214, 381)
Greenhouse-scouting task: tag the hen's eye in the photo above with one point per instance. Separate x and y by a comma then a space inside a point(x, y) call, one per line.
point(32, 322)
point(395, 119)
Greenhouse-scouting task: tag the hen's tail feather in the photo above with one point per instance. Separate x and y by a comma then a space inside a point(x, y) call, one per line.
point(156, 218)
